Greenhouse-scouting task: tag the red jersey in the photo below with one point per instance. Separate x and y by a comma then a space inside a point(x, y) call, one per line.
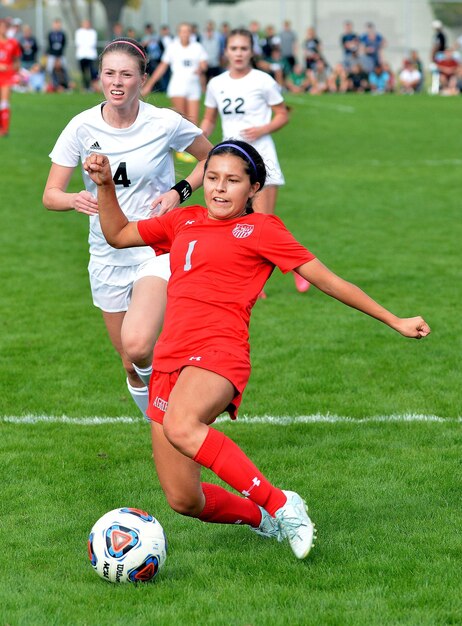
point(218, 270)
point(10, 50)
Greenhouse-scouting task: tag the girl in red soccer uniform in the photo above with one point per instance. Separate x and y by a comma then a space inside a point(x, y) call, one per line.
point(221, 256)
point(10, 55)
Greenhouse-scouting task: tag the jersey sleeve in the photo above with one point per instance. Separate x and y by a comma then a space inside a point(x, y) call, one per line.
point(273, 92)
point(210, 99)
point(158, 232)
point(66, 151)
point(279, 246)
point(183, 134)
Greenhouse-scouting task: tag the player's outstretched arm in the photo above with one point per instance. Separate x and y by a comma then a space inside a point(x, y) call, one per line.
point(155, 76)
point(325, 280)
point(118, 231)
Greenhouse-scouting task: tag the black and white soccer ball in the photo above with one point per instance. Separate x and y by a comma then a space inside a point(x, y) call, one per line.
point(127, 545)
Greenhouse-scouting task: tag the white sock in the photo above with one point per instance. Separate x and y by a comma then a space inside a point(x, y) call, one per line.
point(140, 397)
point(144, 373)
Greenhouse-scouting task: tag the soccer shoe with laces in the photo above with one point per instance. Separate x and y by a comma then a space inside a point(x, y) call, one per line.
point(269, 528)
point(295, 524)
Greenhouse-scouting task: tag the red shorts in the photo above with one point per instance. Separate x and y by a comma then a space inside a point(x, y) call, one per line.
point(227, 365)
point(7, 78)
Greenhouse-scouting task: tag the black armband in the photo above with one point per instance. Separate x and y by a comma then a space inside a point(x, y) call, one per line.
point(184, 189)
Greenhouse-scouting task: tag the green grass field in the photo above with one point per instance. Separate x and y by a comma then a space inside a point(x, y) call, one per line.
point(373, 189)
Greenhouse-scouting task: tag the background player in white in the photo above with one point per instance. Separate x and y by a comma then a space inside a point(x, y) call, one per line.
point(129, 286)
point(251, 107)
point(188, 61)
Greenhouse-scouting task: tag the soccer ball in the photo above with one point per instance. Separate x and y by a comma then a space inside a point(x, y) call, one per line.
point(127, 545)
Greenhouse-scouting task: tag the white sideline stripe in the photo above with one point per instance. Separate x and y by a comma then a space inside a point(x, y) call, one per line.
point(278, 420)
point(315, 104)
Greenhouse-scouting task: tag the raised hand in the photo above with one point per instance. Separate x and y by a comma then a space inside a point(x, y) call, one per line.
point(98, 168)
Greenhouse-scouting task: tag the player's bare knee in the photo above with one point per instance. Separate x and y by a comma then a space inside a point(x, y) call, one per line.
point(178, 432)
point(185, 504)
point(137, 348)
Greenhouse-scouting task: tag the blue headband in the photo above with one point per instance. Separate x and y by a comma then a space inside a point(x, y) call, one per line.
point(232, 145)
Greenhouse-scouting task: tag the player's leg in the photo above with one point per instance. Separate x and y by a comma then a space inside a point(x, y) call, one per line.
point(111, 288)
point(143, 320)
point(193, 110)
point(4, 109)
point(145, 314)
point(138, 390)
point(265, 200)
point(187, 495)
point(197, 398)
point(180, 104)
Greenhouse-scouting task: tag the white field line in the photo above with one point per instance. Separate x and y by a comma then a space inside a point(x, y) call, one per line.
point(316, 104)
point(278, 420)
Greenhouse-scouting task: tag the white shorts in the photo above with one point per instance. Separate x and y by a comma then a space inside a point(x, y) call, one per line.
point(184, 88)
point(112, 285)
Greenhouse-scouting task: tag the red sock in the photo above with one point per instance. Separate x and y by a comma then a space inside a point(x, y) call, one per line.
point(223, 507)
point(228, 461)
point(4, 120)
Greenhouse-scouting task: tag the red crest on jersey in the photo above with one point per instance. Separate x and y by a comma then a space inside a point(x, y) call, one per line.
point(240, 231)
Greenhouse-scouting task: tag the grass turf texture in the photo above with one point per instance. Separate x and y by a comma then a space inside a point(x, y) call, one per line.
point(372, 190)
point(388, 550)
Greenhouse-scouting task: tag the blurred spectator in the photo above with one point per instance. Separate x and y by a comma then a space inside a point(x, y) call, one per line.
point(269, 41)
point(372, 44)
point(392, 78)
point(154, 49)
point(454, 87)
point(224, 32)
point(410, 78)
point(297, 80)
point(195, 34)
point(439, 39)
point(379, 80)
point(37, 79)
point(349, 42)
point(86, 40)
point(275, 66)
point(337, 81)
point(211, 42)
point(56, 45)
point(117, 31)
point(165, 35)
point(358, 79)
point(311, 49)
point(254, 28)
point(131, 33)
point(415, 59)
point(447, 63)
point(288, 39)
point(319, 78)
point(60, 79)
point(29, 47)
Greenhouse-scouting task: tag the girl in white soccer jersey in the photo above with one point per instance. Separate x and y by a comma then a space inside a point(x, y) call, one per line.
point(129, 286)
point(251, 107)
point(187, 60)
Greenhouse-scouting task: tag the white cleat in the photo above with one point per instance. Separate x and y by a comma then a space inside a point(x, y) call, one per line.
point(296, 525)
point(269, 527)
